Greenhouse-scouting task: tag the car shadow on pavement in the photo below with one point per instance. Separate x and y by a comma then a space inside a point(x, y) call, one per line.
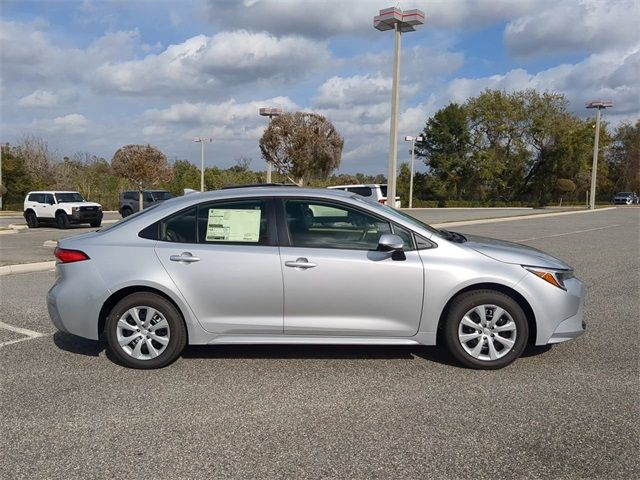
point(78, 345)
point(321, 352)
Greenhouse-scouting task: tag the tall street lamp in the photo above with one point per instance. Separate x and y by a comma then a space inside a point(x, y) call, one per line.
point(202, 141)
point(599, 105)
point(413, 141)
point(399, 21)
point(270, 112)
point(2, 144)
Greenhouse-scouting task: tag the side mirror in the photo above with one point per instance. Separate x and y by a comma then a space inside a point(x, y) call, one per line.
point(390, 243)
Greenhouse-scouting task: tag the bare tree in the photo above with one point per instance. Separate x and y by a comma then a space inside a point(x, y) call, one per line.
point(143, 165)
point(302, 146)
point(38, 160)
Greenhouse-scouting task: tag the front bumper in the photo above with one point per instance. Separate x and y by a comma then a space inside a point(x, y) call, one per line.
point(570, 328)
point(86, 216)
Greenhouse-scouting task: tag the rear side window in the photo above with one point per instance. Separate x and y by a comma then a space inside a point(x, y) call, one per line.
point(237, 222)
point(130, 196)
point(36, 197)
point(362, 191)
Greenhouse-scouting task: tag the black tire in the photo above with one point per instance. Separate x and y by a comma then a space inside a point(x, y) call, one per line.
point(470, 300)
point(126, 212)
point(96, 223)
point(32, 219)
point(62, 220)
point(177, 331)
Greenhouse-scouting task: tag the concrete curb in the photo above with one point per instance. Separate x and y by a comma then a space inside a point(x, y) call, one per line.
point(27, 268)
point(8, 232)
point(511, 219)
point(44, 266)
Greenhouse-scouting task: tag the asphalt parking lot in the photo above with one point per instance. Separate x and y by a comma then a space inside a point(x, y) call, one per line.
point(570, 411)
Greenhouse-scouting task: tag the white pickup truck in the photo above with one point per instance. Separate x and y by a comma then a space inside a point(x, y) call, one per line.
point(63, 208)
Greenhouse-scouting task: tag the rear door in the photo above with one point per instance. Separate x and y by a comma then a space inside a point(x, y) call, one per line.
point(337, 283)
point(223, 258)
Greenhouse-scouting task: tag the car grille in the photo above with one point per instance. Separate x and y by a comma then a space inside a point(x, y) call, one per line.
point(88, 209)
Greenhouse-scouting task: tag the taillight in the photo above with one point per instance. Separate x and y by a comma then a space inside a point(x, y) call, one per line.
point(382, 201)
point(69, 256)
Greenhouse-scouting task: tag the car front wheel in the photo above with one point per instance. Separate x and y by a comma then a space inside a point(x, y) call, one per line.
point(144, 331)
point(62, 220)
point(486, 330)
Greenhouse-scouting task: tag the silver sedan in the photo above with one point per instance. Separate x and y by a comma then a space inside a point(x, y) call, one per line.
point(286, 265)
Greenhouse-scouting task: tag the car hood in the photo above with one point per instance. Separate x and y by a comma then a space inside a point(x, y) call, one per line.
point(509, 252)
point(80, 204)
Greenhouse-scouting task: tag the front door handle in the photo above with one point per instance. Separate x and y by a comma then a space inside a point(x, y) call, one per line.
point(184, 257)
point(302, 263)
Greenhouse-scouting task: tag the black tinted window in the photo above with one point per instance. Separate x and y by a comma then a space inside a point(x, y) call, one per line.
point(237, 222)
point(48, 198)
point(36, 197)
point(326, 225)
point(130, 196)
point(362, 191)
point(179, 228)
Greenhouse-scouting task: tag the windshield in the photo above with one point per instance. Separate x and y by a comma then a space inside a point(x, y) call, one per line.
point(392, 211)
point(69, 197)
point(161, 196)
point(624, 194)
point(138, 214)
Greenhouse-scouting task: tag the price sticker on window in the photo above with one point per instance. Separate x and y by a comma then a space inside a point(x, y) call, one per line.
point(233, 225)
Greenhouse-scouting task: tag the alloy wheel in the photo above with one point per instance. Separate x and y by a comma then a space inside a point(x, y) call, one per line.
point(487, 332)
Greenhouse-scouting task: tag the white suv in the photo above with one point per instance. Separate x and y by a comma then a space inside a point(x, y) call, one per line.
point(63, 208)
point(373, 191)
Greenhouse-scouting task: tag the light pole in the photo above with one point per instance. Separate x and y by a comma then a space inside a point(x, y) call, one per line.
point(599, 105)
point(413, 141)
point(399, 21)
point(270, 112)
point(202, 141)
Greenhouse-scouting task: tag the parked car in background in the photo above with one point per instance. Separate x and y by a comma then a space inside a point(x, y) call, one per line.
point(62, 207)
point(625, 198)
point(373, 192)
point(130, 200)
point(286, 265)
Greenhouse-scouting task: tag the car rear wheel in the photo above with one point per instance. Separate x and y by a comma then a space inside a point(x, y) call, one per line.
point(96, 223)
point(486, 330)
point(32, 220)
point(62, 220)
point(126, 212)
point(144, 330)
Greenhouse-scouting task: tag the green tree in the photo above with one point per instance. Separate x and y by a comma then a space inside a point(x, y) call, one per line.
point(15, 177)
point(302, 146)
point(143, 165)
point(185, 175)
point(624, 159)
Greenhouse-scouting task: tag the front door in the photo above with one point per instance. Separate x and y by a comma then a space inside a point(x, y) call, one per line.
point(223, 259)
point(337, 283)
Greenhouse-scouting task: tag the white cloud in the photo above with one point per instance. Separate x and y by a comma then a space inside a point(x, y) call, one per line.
point(357, 90)
point(574, 26)
point(40, 99)
point(330, 17)
point(225, 60)
point(609, 75)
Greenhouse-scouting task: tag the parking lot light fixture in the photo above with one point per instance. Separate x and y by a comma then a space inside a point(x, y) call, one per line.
point(202, 141)
point(270, 112)
point(599, 105)
point(400, 22)
point(413, 141)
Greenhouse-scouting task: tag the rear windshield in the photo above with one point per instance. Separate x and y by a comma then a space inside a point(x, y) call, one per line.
point(69, 197)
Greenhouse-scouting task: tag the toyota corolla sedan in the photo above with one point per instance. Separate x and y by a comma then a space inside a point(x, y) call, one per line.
point(286, 265)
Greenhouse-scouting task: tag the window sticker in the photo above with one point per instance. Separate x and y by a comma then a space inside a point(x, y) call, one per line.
point(232, 225)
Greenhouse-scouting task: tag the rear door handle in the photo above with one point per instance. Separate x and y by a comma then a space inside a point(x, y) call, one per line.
point(184, 257)
point(302, 263)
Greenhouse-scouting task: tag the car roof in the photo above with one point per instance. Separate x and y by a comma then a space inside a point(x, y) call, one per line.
point(53, 191)
point(373, 185)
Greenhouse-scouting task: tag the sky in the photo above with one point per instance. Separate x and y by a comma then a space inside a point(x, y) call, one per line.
point(94, 75)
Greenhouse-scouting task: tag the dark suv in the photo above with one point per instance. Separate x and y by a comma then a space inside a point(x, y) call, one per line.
point(129, 200)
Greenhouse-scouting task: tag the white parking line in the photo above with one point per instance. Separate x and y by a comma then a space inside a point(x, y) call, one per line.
point(29, 334)
point(567, 233)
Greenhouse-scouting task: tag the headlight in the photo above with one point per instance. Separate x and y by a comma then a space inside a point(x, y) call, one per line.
point(554, 277)
point(75, 209)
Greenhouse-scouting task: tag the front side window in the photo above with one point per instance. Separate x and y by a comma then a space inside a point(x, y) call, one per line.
point(235, 222)
point(316, 224)
point(179, 228)
point(48, 198)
